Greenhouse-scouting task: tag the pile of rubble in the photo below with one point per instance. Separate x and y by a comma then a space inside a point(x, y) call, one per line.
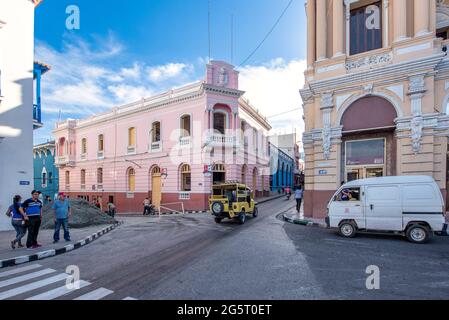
point(83, 215)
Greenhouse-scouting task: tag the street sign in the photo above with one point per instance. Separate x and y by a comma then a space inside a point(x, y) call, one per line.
point(322, 172)
point(25, 183)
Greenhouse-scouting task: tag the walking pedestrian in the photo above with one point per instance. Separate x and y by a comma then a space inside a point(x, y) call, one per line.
point(18, 220)
point(62, 214)
point(33, 210)
point(298, 196)
point(111, 209)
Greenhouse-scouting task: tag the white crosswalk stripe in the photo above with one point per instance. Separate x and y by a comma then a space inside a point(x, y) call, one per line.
point(32, 286)
point(19, 270)
point(96, 294)
point(25, 277)
point(44, 288)
point(60, 292)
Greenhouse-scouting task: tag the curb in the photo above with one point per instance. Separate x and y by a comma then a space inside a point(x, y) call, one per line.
point(304, 222)
point(56, 252)
point(197, 212)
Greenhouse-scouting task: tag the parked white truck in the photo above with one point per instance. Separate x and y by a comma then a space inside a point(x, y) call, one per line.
point(411, 206)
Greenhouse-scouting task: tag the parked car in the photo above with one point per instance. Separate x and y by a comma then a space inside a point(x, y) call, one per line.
point(411, 206)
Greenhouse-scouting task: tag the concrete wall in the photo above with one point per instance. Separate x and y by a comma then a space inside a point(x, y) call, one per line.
point(16, 106)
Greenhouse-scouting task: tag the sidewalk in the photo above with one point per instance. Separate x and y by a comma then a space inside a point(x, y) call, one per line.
point(258, 200)
point(292, 216)
point(79, 237)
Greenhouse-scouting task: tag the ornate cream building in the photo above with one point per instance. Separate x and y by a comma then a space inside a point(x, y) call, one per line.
point(376, 93)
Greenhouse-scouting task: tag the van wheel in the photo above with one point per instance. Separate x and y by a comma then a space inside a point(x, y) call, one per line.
point(347, 230)
point(418, 234)
point(242, 218)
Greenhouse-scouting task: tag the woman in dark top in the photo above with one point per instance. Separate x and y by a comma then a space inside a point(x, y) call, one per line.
point(19, 219)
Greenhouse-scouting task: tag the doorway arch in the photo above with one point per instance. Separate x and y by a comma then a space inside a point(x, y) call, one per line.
point(156, 186)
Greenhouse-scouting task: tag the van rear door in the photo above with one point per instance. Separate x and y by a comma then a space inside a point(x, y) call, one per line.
point(383, 208)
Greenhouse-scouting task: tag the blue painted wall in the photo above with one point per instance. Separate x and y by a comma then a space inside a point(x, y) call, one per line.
point(44, 159)
point(282, 169)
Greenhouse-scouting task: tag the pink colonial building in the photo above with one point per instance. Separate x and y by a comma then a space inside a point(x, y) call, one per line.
point(171, 147)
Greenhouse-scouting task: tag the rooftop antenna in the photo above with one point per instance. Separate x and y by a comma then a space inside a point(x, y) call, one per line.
point(208, 28)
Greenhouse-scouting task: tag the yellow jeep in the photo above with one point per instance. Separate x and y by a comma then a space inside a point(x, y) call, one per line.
point(232, 201)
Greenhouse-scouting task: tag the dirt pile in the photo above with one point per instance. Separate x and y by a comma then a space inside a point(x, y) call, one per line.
point(83, 215)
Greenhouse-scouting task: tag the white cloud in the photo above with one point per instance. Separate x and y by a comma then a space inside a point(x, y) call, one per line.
point(133, 72)
point(273, 88)
point(126, 94)
point(168, 71)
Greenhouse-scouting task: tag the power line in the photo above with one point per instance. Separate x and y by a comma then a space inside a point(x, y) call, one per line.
point(268, 34)
point(280, 114)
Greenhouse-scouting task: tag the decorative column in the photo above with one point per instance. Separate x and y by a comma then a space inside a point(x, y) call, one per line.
point(311, 22)
point(321, 30)
point(400, 19)
point(348, 26)
point(386, 23)
point(422, 17)
point(433, 16)
point(338, 17)
point(416, 91)
point(327, 104)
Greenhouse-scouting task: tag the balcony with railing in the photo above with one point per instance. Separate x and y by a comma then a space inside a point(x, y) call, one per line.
point(156, 147)
point(185, 142)
point(65, 161)
point(38, 70)
point(221, 140)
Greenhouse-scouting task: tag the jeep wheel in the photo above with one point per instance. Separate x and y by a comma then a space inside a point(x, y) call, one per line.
point(218, 220)
point(217, 208)
point(418, 234)
point(347, 230)
point(242, 218)
point(256, 212)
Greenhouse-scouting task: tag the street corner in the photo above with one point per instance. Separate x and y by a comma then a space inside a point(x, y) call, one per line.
point(10, 258)
point(293, 218)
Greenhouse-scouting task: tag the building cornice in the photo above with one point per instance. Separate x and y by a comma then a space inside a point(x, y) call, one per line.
point(398, 71)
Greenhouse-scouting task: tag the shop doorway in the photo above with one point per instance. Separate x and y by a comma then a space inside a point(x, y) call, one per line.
point(365, 159)
point(218, 174)
point(156, 187)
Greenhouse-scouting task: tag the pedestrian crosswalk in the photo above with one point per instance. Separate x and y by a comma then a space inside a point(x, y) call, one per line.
point(34, 282)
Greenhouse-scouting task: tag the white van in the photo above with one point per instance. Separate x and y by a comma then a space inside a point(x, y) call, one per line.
point(412, 206)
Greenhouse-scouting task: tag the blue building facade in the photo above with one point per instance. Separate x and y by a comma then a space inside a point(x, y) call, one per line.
point(39, 70)
point(282, 168)
point(46, 175)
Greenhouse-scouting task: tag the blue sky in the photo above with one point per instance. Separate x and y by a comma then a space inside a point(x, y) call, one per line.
point(124, 52)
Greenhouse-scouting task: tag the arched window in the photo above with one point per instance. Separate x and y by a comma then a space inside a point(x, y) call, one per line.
point(84, 146)
point(185, 126)
point(186, 178)
point(156, 132)
point(132, 137)
point(100, 176)
point(61, 147)
point(100, 143)
point(220, 122)
point(83, 179)
point(131, 180)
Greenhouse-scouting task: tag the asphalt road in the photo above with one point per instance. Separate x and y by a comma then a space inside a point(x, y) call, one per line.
point(191, 257)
